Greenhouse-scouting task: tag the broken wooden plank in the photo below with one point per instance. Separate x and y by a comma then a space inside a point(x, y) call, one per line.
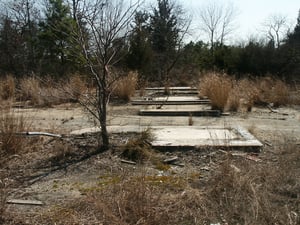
point(24, 202)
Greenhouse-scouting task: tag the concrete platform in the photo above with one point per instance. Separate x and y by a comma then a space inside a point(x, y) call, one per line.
point(190, 137)
point(172, 89)
point(171, 100)
point(199, 137)
point(178, 112)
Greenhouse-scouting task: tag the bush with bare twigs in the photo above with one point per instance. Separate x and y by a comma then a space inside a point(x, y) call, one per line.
point(125, 87)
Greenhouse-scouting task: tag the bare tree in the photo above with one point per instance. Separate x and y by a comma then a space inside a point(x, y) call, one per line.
point(217, 21)
point(276, 27)
point(107, 23)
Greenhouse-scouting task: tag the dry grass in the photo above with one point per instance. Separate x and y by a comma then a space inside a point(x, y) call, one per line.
point(7, 88)
point(75, 87)
point(47, 92)
point(10, 126)
point(237, 191)
point(125, 87)
point(3, 196)
point(137, 199)
point(273, 91)
point(229, 94)
point(30, 90)
point(242, 96)
point(256, 194)
point(217, 88)
point(138, 149)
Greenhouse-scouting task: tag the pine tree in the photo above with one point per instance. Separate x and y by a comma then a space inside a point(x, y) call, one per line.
point(139, 57)
point(164, 37)
point(56, 37)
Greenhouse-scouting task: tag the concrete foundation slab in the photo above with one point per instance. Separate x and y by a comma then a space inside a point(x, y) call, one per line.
point(178, 112)
point(190, 137)
point(170, 100)
point(199, 137)
point(171, 89)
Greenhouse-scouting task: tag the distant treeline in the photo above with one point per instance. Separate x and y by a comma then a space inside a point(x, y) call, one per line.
point(42, 41)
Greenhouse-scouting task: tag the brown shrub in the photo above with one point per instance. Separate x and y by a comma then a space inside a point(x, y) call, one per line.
point(30, 90)
point(75, 87)
point(138, 148)
point(242, 96)
point(271, 90)
point(216, 87)
point(47, 92)
point(125, 87)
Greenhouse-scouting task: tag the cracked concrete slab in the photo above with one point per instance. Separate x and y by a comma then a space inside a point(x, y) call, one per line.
point(170, 100)
point(198, 137)
point(175, 137)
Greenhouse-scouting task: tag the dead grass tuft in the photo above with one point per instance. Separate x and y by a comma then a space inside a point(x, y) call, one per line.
point(7, 88)
point(125, 87)
point(138, 149)
point(242, 96)
point(75, 87)
point(30, 90)
point(10, 125)
point(217, 88)
point(271, 90)
point(226, 93)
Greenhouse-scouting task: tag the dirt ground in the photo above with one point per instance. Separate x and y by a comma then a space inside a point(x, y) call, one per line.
point(57, 171)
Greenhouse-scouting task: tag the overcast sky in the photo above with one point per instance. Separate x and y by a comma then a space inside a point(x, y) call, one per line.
point(252, 13)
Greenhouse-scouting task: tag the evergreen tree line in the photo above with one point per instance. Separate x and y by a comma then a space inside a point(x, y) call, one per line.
point(41, 40)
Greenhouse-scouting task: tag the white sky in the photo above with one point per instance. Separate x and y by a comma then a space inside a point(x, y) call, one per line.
point(252, 13)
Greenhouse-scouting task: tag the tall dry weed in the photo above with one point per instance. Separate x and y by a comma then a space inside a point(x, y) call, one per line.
point(10, 127)
point(216, 87)
point(242, 96)
point(47, 92)
point(125, 87)
point(7, 88)
point(272, 90)
point(30, 90)
point(75, 87)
